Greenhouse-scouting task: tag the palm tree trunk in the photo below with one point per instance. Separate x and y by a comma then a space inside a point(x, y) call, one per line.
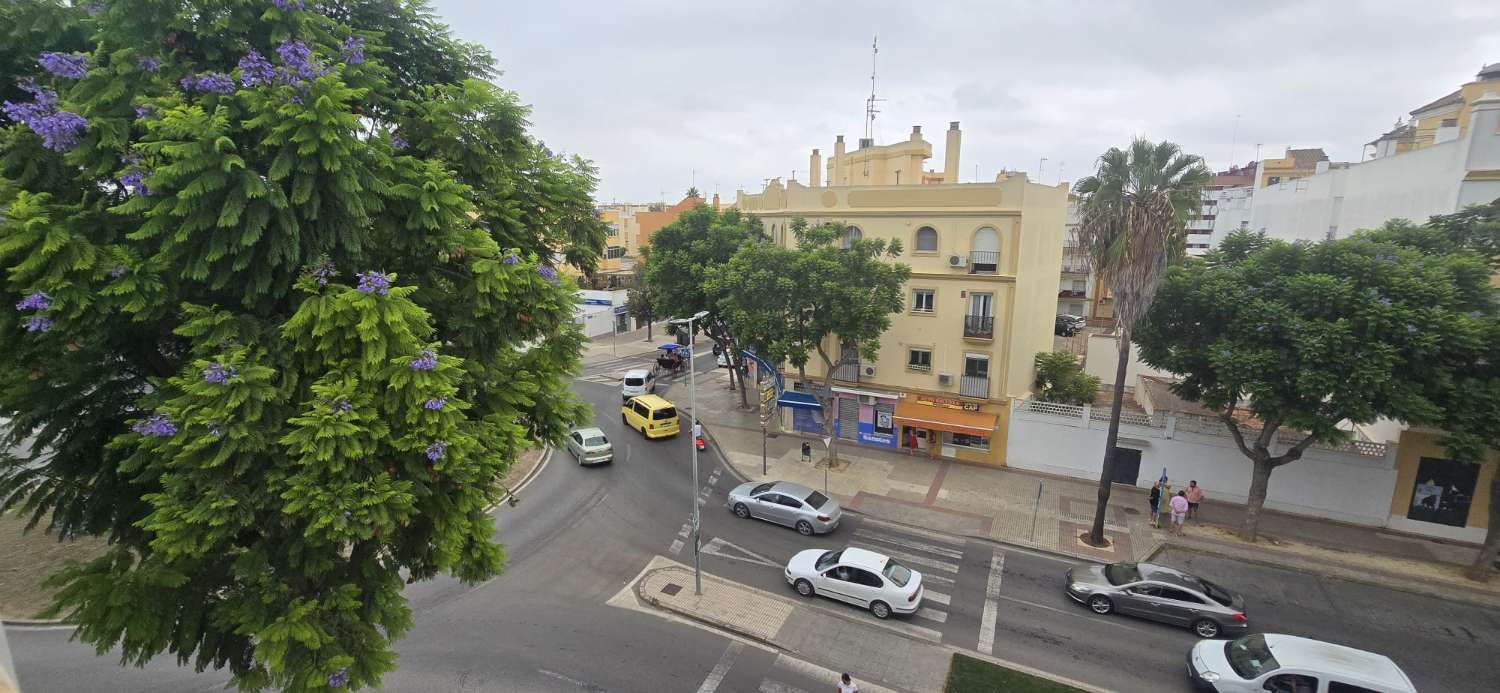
point(1107, 472)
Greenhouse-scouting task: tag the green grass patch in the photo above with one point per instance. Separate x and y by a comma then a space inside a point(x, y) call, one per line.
point(970, 675)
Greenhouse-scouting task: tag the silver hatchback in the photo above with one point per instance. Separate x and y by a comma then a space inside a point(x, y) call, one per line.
point(786, 503)
point(590, 446)
point(1158, 593)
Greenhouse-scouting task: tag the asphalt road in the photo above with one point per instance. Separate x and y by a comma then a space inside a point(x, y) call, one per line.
point(580, 535)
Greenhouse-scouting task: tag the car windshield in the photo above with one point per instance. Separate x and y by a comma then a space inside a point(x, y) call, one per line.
point(664, 413)
point(827, 560)
point(897, 573)
point(1217, 593)
point(817, 500)
point(762, 488)
point(1122, 573)
point(634, 382)
point(1249, 656)
point(595, 441)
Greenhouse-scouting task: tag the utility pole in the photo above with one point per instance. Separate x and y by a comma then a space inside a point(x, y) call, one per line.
point(693, 402)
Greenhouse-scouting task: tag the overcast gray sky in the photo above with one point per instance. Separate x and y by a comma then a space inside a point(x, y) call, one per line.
point(651, 90)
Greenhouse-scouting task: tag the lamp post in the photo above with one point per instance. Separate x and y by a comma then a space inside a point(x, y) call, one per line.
point(693, 403)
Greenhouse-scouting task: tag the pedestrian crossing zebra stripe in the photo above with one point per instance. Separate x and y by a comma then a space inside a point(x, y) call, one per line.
point(919, 546)
point(769, 686)
point(957, 542)
point(932, 614)
point(930, 595)
point(940, 581)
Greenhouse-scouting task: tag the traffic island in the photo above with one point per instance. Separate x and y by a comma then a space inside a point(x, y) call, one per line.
point(970, 675)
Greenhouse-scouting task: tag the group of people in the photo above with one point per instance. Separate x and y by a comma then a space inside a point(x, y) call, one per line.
point(1180, 507)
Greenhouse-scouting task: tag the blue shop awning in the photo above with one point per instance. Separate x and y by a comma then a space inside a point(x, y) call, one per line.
point(791, 399)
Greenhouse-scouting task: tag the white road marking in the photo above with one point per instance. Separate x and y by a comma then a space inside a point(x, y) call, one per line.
point(563, 677)
point(719, 547)
point(929, 579)
point(932, 615)
point(938, 597)
point(818, 673)
point(917, 532)
point(721, 669)
point(947, 553)
point(684, 531)
point(912, 558)
point(676, 547)
point(769, 686)
point(991, 604)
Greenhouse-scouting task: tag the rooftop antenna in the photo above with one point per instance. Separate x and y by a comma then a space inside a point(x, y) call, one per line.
point(870, 109)
point(1234, 139)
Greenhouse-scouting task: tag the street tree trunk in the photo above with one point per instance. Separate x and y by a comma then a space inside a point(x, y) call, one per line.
point(649, 317)
point(1260, 480)
point(830, 409)
point(1484, 565)
point(1107, 472)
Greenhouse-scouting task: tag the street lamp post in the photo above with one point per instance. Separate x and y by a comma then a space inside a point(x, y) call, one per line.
point(693, 403)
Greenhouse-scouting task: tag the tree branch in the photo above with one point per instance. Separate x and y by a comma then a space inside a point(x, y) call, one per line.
point(1295, 453)
point(1234, 429)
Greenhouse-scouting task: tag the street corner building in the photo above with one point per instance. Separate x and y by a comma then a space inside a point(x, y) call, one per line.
point(980, 304)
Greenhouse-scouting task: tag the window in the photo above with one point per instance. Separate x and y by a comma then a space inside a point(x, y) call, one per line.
point(828, 559)
point(1121, 573)
point(976, 366)
point(1079, 286)
point(927, 240)
point(897, 573)
point(1273, 180)
point(772, 498)
point(919, 359)
point(641, 410)
point(578, 438)
point(817, 500)
point(1341, 687)
point(614, 251)
point(850, 235)
point(1449, 123)
point(1292, 683)
point(790, 502)
point(922, 300)
point(964, 440)
point(1249, 656)
point(762, 488)
point(1146, 590)
point(595, 441)
point(664, 413)
point(1178, 595)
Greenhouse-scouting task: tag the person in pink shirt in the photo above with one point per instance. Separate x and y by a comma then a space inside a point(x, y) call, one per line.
point(1194, 497)
point(1179, 507)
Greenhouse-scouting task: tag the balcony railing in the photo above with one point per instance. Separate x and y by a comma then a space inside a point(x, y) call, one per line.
point(1071, 293)
point(980, 326)
point(974, 386)
point(1075, 268)
point(847, 371)
point(983, 262)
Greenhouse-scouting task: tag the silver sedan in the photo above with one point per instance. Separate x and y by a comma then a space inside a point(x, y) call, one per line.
point(590, 446)
point(786, 503)
point(1157, 593)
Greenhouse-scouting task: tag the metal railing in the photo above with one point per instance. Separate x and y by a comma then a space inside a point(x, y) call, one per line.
point(984, 262)
point(1072, 293)
point(974, 386)
point(981, 326)
point(847, 371)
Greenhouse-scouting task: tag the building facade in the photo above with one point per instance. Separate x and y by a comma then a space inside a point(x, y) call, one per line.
point(980, 303)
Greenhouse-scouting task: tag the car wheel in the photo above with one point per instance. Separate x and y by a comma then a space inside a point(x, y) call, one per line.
point(804, 588)
point(643, 432)
point(1206, 628)
point(741, 511)
point(880, 609)
point(804, 528)
point(623, 420)
point(1101, 604)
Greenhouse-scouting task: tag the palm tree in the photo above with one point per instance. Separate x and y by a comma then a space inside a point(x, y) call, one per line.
point(1133, 225)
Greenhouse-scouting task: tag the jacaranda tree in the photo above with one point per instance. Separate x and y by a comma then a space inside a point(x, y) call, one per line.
point(285, 310)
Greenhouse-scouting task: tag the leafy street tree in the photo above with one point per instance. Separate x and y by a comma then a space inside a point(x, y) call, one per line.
point(1060, 378)
point(284, 316)
point(684, 255)
point(641, 298)
point(792, 303)
point(1285, 339)
point(1133, 225)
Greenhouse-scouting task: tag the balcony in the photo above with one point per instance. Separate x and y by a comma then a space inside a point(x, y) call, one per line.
point(1071, 293)
point(974, 386)
point(847, 371)
point(979, 326)
point(1075, 268)
point(984, 262)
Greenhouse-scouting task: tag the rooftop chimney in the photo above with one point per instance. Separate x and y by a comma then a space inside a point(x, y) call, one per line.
point(950, 155)
point(916, 133)
point(839, 174)
point(815, 169)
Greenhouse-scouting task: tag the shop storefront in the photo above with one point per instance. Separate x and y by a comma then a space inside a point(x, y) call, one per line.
point(1436, 495)
point(931, 425)
point(945, 427)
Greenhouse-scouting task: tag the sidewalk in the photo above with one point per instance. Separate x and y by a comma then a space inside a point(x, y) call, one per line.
point(625, 344)
point(1049, 512)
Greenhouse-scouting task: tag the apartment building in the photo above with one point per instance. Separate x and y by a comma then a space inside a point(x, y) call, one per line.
point(980, 302)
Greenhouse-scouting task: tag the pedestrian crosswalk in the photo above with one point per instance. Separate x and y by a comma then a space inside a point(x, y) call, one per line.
point(936, 557)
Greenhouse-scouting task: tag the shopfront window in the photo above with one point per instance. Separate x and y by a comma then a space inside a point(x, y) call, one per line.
point(1443, 491)
point(964, 440)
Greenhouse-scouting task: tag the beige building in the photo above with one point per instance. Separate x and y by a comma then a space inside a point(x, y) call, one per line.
point(981, 299)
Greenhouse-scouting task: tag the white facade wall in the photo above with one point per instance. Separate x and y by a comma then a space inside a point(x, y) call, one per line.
point(1233, 212)
point(596, 318)
point(1345, 486)
point(1103, 356)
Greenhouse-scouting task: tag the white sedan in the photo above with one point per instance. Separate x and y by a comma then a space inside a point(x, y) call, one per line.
point(860, 577)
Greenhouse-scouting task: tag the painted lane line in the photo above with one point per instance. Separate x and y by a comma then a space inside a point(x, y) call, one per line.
point(715, 677)
point(721, 548)
point(919, 546)
point(917, 532)
point(564, 677)
point(938, 597)
point(769, 686)
point(991, 604)
point(676, 547)
point(911, 558)
point(932, 615)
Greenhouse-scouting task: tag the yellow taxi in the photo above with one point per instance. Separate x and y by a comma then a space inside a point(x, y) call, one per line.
point(652, 415)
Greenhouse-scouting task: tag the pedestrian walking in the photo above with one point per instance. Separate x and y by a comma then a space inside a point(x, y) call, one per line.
point(847, 685)
point(1179, 508)
point(1155, 501)
point(806, 451)
point(1194, 497)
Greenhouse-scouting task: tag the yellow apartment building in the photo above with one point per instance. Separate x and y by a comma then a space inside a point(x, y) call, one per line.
point(1296, 163)
point(980, 303)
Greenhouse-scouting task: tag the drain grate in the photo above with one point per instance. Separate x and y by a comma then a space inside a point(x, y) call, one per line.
point(671, 589)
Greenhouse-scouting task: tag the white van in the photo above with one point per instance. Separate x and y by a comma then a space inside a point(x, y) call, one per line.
point(1288, 664)
point(637, 382)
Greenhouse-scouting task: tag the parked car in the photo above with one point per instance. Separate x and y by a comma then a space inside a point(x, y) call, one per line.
point(590, 446)
point(1158, 593)
point(1067, 325)
point(638, 381)
point(859, 577)
point(786, 503)
point(1289, 664)
point(652, 415)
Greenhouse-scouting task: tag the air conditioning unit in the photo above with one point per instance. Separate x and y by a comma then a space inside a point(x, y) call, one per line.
point(945, 378)
point(958, 261)
point(869, 371)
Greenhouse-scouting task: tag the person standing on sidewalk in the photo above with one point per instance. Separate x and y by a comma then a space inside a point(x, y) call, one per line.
point(846, 685)
point(1179, 508)
point(1194, 497)
point(1155, 501)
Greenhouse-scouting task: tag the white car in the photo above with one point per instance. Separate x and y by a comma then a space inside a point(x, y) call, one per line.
point(1289, 664)
point(637, 382)
point(860, 577)
point(590, 446)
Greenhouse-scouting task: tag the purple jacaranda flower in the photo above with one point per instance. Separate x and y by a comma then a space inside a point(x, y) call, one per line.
point(547, 273)
point(1385, 301)
point(94, 8)
point(218, 373)
point(353, 50)
point(510, 259)
point(436, 450)
point(398, 142)
point(285, 5)
point(426, 360)
point(61, 131)
point(144, 111)
point(255, 70)
point(37, 323)
point(157, 425)
point(340, 678)
point(299, 61)
point(373, 283)
point(435, 404)
point(209, 83)
point(38, 300)
point(148, 63)
point(1476, 314)
point(342, 407)
point(324, 271)
point(118, 271)
point(134, 180)
point(69, 65)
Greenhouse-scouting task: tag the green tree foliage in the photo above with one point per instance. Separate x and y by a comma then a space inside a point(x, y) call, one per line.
point(1060, 378)
point(1305, 336)
point(796, 303)
point(641, 297)
point(284, 315)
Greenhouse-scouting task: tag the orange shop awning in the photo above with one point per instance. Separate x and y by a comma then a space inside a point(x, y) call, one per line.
point(973, 423)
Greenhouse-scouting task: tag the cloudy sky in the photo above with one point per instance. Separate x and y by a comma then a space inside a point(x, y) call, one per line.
point(655, 90)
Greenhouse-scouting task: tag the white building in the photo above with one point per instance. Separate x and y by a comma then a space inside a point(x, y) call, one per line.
point(602, 312)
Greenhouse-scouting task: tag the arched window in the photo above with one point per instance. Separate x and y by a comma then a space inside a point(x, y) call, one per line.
point(985, 257)
point(927, 240)
point(850, 235)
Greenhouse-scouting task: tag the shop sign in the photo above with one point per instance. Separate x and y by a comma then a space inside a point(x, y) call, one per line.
point(947, 403)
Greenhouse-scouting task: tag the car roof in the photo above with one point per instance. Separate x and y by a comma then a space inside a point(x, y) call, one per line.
point(652, 401)
point(590, 431)
point(794, 490)
point(1293, 652)
point(863, 558)
point(637, 373)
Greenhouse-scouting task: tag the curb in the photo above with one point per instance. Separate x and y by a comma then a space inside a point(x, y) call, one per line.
point(530, 476)
point(32, 622)
point(641, 592)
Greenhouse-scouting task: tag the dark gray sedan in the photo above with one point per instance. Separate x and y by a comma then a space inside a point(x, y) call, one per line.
point(786, 503)
point(1158, 593)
